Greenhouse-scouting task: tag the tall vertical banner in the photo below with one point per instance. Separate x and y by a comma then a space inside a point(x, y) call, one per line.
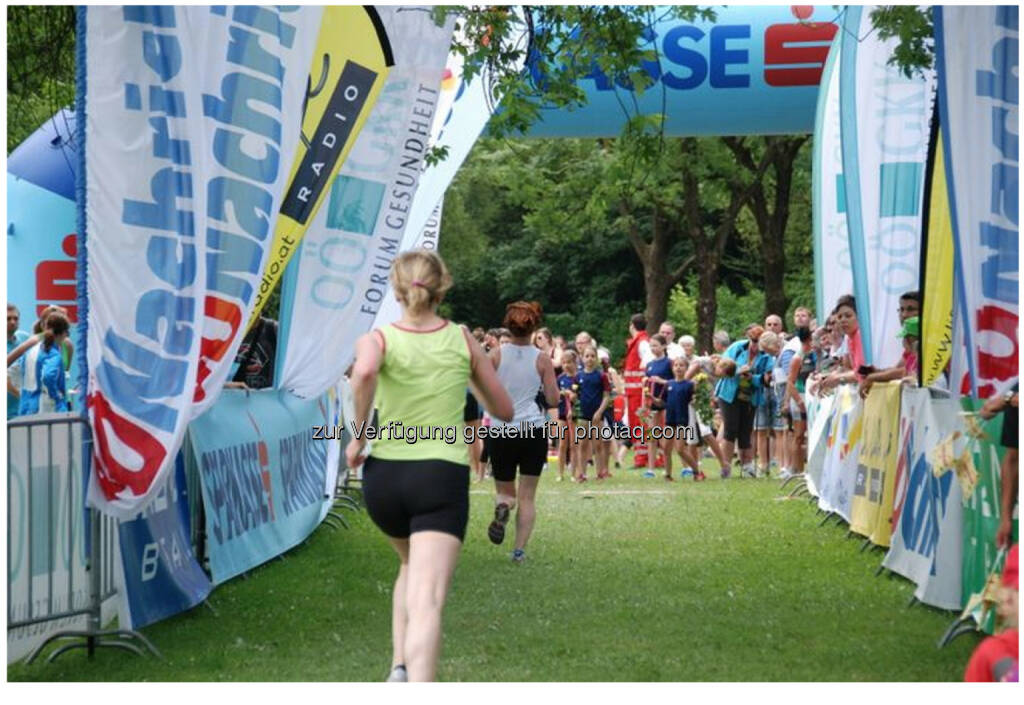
point(350, 65)
point(340, 276)
point(926, 545)
point(936, 269)
point(192, 116)
point(832, 274)
point(884, 117)
point(390, 311)
point(876, 464)
point(464, 110)
point(979, 84)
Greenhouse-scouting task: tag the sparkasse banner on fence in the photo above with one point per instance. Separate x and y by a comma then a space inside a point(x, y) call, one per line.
point(885, 118)
point(263, 474)
point(191, 118)
point(340, 277)
point(979, 84)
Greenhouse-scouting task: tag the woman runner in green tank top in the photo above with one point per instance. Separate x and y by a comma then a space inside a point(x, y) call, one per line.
point(415, 474)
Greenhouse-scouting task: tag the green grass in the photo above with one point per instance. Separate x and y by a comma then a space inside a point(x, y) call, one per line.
point(628, 580)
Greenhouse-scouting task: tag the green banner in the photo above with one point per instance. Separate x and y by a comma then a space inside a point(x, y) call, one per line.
point(982, 513)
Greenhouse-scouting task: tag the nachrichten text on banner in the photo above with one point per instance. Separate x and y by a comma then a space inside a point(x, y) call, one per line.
point(884, 116)
point(350, 65)
point(979, 87)
point(340, 277)
point(192, 118)
point(832, 275)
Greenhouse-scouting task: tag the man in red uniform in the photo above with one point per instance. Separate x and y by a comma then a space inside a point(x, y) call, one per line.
point(638, 352)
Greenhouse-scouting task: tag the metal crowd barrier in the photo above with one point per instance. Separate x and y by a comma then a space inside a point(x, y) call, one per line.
point(60, 558)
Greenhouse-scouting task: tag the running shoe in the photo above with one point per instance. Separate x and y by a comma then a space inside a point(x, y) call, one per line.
point(398, 675)
point(558, 479)
point(785, 474)
point(518, 555)
point(749, 472)
point(669, 478)
point(648, 473)
point(496, 531)
point(726, 473)
point(700, 476)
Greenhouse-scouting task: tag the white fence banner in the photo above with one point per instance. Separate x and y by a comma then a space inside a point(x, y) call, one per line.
point(927, 539)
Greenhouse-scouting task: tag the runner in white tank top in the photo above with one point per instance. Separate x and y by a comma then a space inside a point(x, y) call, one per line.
point(520, 445)
point(518, 373)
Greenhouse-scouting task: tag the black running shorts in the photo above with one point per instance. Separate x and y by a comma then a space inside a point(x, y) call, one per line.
point(406, 496)
point(527, 454)
point(738, 418)
point(472, 410)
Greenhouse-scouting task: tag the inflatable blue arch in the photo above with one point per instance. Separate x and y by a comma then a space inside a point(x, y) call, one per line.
point(754, 70)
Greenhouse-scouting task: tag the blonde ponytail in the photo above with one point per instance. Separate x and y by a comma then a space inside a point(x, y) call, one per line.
point(420, 279)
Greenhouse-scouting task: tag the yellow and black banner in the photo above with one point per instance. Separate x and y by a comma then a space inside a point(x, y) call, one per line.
point(936, 267)
point(350, 64)
point(876, 465)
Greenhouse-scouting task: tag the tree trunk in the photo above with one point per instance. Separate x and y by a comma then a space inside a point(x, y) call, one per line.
point(781, 153)
point(774, 240)
point(707, 300)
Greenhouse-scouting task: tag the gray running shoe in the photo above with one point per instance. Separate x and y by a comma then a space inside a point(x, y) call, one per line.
point(398, 675)
point(496, 531)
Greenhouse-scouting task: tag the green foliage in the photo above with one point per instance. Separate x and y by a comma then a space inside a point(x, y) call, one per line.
point(735, 311)
point(912, 24)
point(575, 40)
point(40, 66)
point(630, 580)
point(507, 234)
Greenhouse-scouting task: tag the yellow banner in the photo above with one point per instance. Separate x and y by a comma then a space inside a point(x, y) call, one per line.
point(937, 321)
point(871, 513)
point(350, 64)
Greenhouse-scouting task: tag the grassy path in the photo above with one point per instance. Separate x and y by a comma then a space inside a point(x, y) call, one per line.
point(630, 580)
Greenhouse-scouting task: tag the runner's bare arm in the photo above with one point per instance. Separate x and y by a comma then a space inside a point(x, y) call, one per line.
point(484, 381)
point(363, 381)
point(547, 379)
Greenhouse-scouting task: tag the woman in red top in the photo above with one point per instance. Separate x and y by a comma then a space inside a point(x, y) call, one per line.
point(846, 318)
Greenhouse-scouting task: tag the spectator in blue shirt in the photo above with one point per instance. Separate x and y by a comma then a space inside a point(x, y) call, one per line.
point(15, 337)
point(736, 397)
